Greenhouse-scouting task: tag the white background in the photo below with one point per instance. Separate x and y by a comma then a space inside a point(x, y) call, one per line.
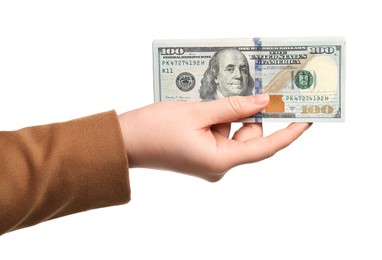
point(321, 198)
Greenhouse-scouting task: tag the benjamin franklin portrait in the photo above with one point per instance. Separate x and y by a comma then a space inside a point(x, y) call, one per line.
point(227, 75)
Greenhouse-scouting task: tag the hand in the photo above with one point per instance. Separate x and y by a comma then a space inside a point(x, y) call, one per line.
point(193, 138)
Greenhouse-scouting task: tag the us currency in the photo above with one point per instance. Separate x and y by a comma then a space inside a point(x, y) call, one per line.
point(304, 77)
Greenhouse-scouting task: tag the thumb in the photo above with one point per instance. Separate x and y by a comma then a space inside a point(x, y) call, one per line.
point(232, 108)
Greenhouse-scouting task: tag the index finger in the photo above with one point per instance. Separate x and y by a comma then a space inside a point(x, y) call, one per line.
point(257, 149)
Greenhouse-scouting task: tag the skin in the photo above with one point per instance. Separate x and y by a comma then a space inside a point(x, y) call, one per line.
point(232, 79)
point(193, 138)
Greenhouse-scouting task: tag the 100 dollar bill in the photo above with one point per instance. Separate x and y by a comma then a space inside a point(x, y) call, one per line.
point(303, 76)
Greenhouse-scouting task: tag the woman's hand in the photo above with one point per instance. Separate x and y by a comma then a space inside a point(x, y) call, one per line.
point(193, 138)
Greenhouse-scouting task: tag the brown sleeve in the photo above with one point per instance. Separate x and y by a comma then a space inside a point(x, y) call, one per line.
point(59, 169)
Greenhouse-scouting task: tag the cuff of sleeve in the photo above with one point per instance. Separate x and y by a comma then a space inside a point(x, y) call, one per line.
point(97, 167)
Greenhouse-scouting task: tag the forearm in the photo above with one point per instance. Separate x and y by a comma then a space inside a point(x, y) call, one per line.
point(59, 169)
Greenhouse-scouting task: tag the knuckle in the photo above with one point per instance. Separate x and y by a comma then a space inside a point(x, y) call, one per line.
point(215, 170)
point(214, 178)
point(235, 105)
point(271, 148)
point(271, 151)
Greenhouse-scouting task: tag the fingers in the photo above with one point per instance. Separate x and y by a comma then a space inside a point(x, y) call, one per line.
point(230, 109)
point(221, 129)
point(282, 138)
point(257, 149)
point(248, 131)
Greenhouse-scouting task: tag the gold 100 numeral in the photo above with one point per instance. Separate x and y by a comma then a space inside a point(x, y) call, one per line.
point(326, 109)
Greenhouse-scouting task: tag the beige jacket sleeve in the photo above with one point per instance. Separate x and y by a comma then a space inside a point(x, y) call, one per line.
point(58, 169)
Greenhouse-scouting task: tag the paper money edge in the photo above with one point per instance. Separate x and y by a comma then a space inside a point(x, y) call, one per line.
point(325, 40)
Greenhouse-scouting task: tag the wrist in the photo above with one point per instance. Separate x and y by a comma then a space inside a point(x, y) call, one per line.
point(123, 123)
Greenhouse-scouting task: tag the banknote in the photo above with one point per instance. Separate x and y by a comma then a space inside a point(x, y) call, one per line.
point(304, 77)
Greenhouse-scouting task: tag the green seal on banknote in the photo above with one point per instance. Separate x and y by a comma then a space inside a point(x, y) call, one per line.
point(303, 79)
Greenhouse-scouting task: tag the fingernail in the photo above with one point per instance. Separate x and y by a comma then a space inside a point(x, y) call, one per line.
point(261, 99)
point(303, 125)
